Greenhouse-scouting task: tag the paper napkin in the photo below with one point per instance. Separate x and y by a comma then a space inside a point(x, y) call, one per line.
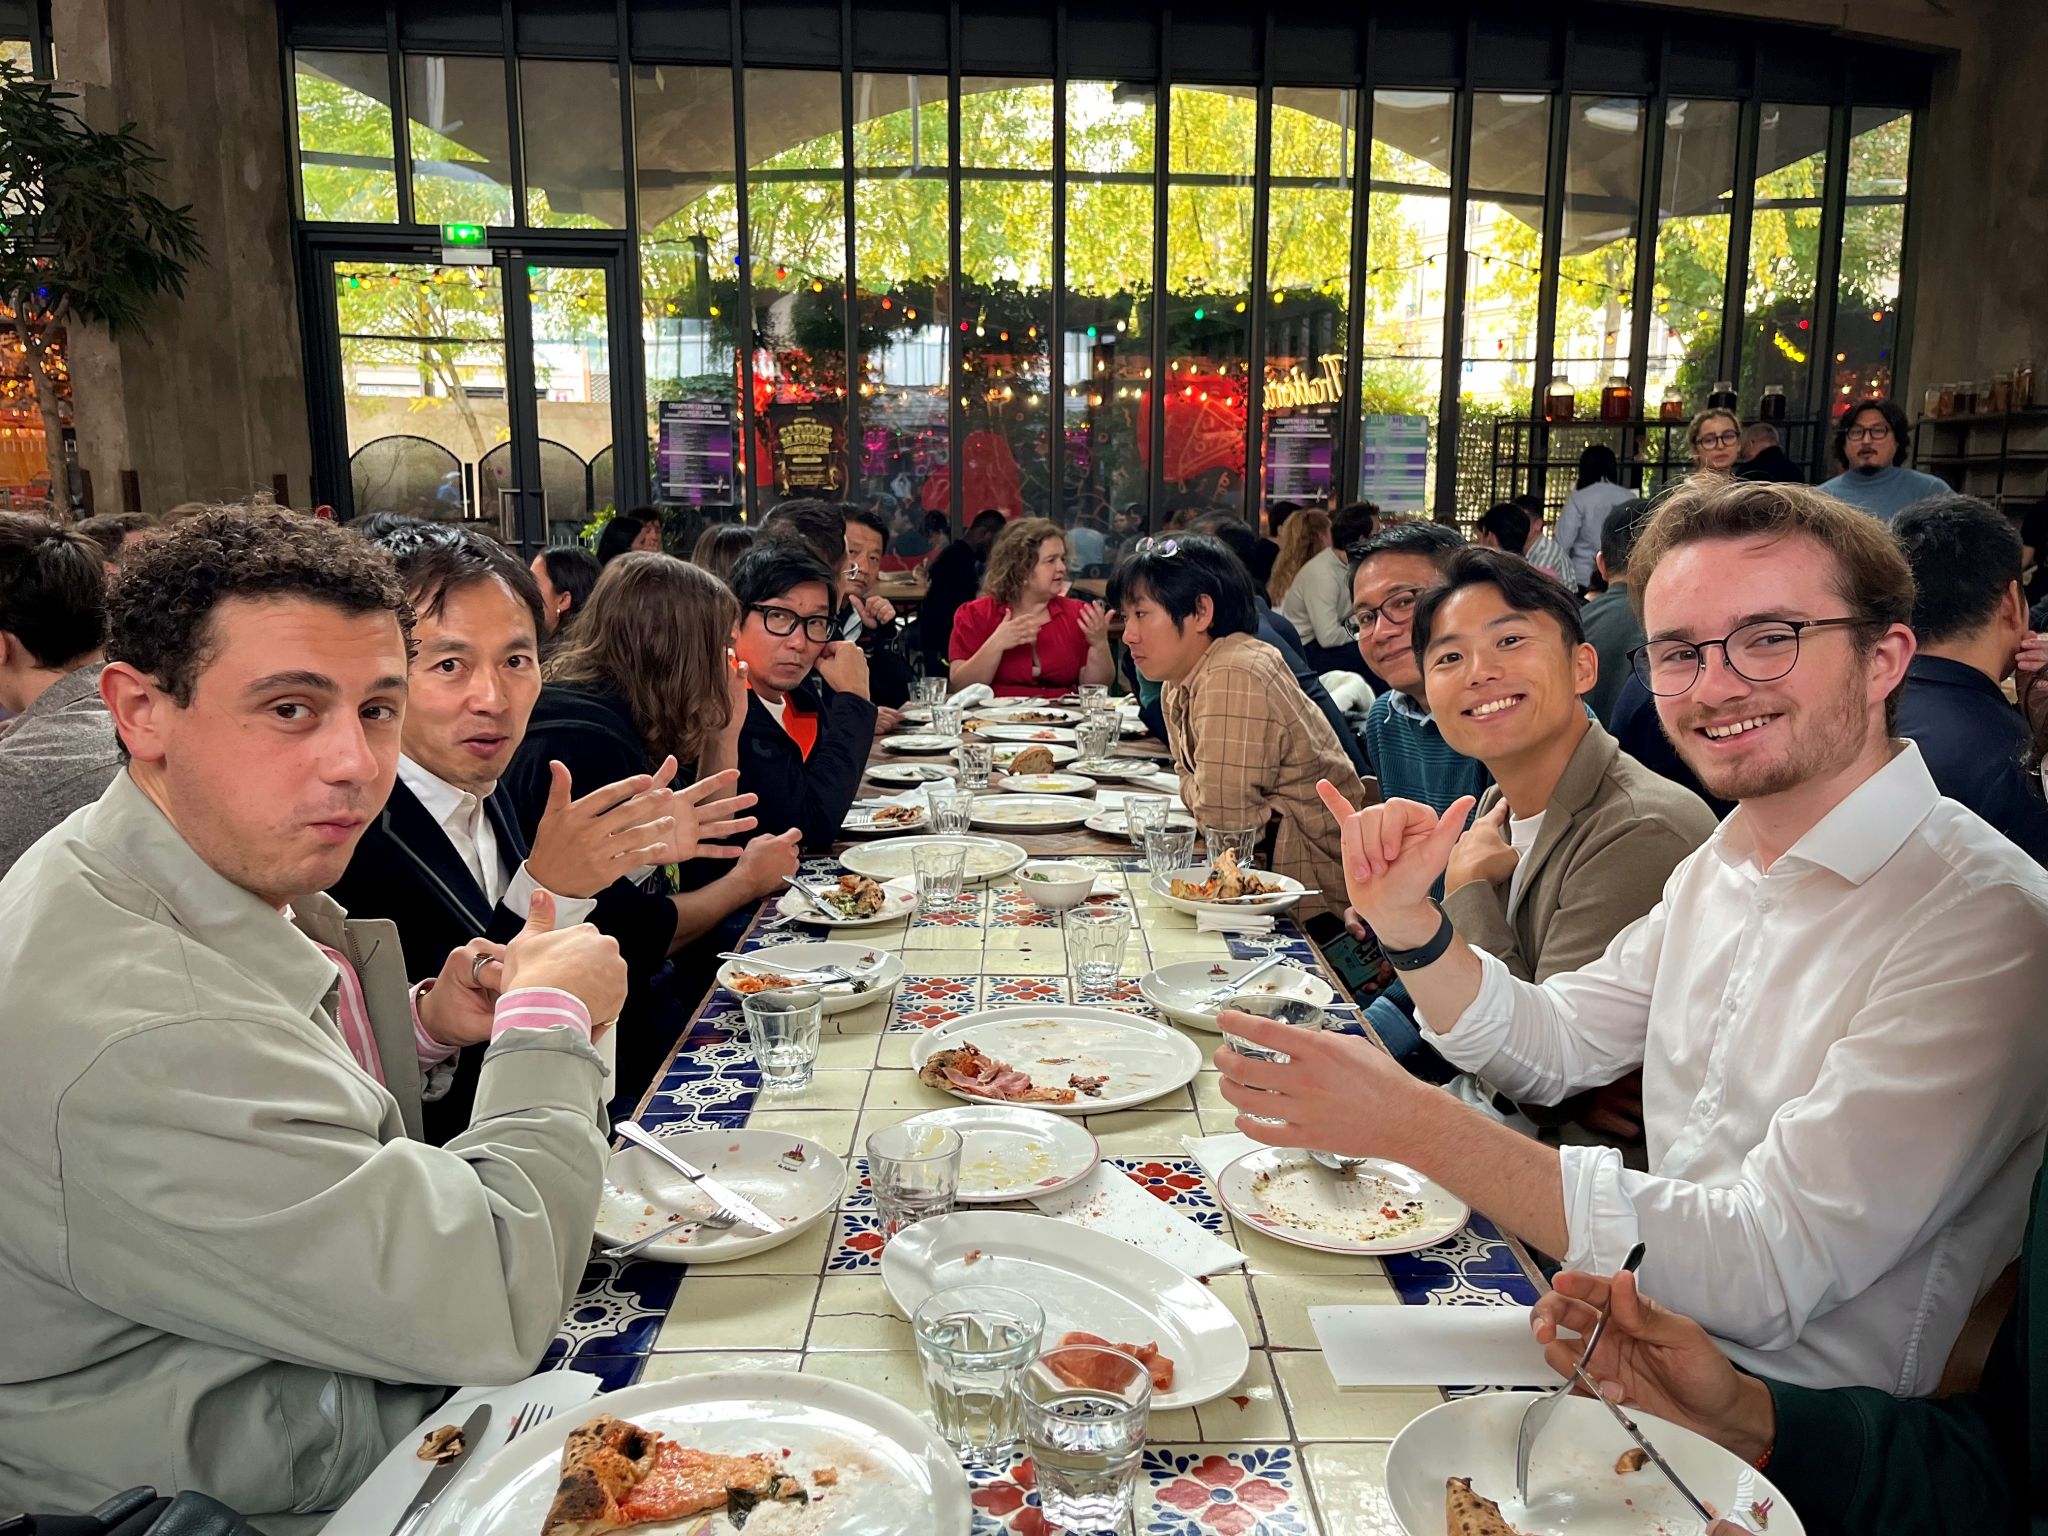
point(1232, 922)
point(1395, 1346)
point(1215, 1153)
point(1110, 1201)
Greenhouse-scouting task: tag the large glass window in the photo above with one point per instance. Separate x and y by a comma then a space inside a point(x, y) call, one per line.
point(1873, 248)
point(1308, 278)
point(691, 313)
point(575, 169)
point(461, 146)
point(346, 169)
point(796, 211)
point(1695, 199)
point(1784, 256)
point(1503, 250)
point(1004, 325)
point(902, 257)
point(1111, 130)
point(1407, 245)
point(1212, 155)
point(1603, 178)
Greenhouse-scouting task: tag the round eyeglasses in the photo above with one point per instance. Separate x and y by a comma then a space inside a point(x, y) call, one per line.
point(1761, 652)
point(1397, 608)
point(778, 622)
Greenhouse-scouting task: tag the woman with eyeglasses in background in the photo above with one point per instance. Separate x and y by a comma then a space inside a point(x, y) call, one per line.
point(1026, 636)
point(1715, 438)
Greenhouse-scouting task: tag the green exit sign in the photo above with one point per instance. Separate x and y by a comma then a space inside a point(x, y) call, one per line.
point(462, 234)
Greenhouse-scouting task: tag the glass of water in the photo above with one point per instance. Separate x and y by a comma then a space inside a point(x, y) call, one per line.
point(946, 719)
point(1096, 734)
point(1093, 696)
point(1097, 935)
point(950, 807)
point(1242, 841)
point(928, 690)
point(1085, 1408)
point(1144, 812)
point(977, 761)
point(1168, 848)
point(783, 1028)
point(914, 1171)
point(940, 869)
point(975, 1342)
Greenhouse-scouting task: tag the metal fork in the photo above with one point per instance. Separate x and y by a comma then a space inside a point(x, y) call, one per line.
point(832, 974)
point(717, 1221)
point(529, 1415)
point(1539, 1412)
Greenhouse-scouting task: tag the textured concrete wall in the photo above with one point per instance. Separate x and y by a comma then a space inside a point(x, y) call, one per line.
point(211, 402)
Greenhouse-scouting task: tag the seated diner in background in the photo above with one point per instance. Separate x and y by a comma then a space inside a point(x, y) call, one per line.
point(1026, 636)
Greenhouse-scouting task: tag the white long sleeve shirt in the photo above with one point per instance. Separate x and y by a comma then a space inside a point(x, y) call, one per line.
point(1318, 600)
point(1844, 1062)
point(460, 814)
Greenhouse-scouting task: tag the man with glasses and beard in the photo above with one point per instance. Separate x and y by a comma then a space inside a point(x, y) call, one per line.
point(1870, 445)
point(1835, 1005)
point(809, 721)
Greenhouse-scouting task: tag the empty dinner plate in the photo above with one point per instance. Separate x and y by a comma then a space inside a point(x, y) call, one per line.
point(1028, 813)
point(1009, 1152)
point(1374, 1207)
point(880, 969)
point(792, 1178)
point(1182, 991)
point(1131, 1060)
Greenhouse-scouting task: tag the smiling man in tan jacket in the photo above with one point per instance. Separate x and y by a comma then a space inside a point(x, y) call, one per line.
point(229, 1265)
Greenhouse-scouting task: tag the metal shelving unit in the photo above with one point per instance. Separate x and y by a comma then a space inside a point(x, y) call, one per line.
point(1999, 448)
point(1543, 456)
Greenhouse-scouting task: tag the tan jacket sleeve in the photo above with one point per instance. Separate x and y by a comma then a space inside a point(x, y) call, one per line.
point(226, 1179)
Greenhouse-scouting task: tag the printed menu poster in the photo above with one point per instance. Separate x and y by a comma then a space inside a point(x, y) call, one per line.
point(809, 450)
point(694, 453)
point(1301, 455)
point(1393, 464)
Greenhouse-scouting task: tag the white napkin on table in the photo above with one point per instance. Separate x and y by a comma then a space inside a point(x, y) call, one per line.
point(1213, 1154)
point(971, 695)
point(1108, 1200)
point(1394, 1346)
point(1113, 799)
point(1232, 922)
point(373, 1509)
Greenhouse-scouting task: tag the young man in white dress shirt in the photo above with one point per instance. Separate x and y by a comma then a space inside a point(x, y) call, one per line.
point(1836, 1005)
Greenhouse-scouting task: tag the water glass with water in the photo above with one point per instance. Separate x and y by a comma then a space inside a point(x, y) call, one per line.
point(1093, 695)
point(1097, 935)
point(914, 1171)
point(977, 761)
point(940, 868)
point(1144, 812)
point(1085, 1408)
point(950, 807)
point(1242, 841)
point(946, 719)
point(1096, 734)
point(1169, 848)
point(783, 1028)
point(975, 1342)
point(928, 690)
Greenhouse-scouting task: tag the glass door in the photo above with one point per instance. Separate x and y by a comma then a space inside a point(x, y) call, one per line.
point(489, 394)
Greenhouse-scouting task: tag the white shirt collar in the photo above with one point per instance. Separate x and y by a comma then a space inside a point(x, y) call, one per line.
point(444, 802)
point(1857, 837)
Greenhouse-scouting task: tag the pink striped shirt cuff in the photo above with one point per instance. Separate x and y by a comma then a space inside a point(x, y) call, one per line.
point(540, 1008)
point(430, 1051)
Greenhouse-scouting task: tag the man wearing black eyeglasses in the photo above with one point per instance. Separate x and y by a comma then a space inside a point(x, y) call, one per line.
point(810, 722)
point(1870, 444)
point(1836, 1004)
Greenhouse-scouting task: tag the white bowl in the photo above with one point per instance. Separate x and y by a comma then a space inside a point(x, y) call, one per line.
point(1064, 885)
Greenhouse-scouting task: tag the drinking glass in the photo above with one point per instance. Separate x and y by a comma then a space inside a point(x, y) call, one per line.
point(977, 761)
point(974, 1342)
point(1085, 1441)
point(1093, 695)
point(950, 807)
point(946, 719)
point(1097, 935)
point(928, 690)
point(940, 870)
point(1144, 812)
point(783, 1028)
point(1242, 841)
point(1287, 1010)
point(1096, 734)
point(1168, 848)
point(914, 1171)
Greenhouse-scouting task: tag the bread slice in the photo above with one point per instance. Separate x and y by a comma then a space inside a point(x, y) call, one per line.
point(1470, 1514)
point(1032, 760)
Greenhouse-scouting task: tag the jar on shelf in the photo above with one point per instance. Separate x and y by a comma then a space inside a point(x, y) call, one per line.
point(2023, 385)
point(1930, 401)
point(1558, 401)
point(1966, 398)
point(1672, 407)
point(1947, 403)
point(1722, 396)
point(1617, 400)
point(1772, 406)
point(2001, 394)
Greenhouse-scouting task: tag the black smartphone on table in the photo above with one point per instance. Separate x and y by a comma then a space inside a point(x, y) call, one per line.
point(1358, 963)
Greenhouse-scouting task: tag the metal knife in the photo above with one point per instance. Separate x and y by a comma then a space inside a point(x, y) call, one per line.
point(740, 1206)
point(438, 1480)
point(1643, 1444)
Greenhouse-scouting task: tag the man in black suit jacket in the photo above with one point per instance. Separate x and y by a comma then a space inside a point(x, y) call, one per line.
point(446, 859)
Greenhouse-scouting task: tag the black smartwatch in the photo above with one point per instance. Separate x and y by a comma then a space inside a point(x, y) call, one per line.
point(1425, 954)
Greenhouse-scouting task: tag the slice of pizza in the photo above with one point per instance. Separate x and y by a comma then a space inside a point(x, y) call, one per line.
point(1470, 1514)
point(616, 1475)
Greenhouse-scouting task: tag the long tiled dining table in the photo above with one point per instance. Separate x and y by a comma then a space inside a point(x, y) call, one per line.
point(1286, 1453)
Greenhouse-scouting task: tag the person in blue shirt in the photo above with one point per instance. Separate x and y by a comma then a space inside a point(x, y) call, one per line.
point(1969, 617)
point(1870, 442)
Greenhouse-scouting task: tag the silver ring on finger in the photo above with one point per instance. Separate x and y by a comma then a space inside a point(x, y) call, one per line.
point(476, 969)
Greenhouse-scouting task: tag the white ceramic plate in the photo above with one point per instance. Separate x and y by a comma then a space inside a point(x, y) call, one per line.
point(1573, 1487)
point(1286, 1194)
point(1011, 1151)
point(1028, 813)
point(1157, 783)
point(1141, 1057)
point(1003, 753)
point(792, 1178)
point(898, 901)
point(860, 822)
point(1029, 733)
point(988, 858)
point(1111, 768)
point(1114, 823)
point(1085, 1280)
point(910, 773)
point(835, 996)
point(1047, 784)
point(896, 1477)
point(1162, 887)
point(1009, 716)
point(919, 741)
point(1176, 990)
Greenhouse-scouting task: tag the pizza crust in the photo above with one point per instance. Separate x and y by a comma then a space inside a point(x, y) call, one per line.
point(1470, 1514)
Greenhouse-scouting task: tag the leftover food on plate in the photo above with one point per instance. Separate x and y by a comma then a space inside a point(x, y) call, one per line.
point(442, 1445)
point(1076, 1373)
point(1470, 1514)
point(616, 1475)
point(1033, 760)
point(968, 1070)
point(1226, 882)
point(1634, 1459)
point(855, 896)
point(1021, 717)
point(898, 816)
point(1357, 1207)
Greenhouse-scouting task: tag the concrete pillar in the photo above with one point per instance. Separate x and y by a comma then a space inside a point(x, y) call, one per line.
point(209, 402)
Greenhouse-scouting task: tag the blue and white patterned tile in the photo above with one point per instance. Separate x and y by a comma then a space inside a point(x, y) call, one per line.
point(1178, 1182)
point(1024, 991)
point(612, 1371)
point(968, 911)
point(1215, 1490)
point(860, 1190)
point(1438, 1285)
point(923, 1002)
point(857, 1243)
point(619, 1307)
point(699, 1093)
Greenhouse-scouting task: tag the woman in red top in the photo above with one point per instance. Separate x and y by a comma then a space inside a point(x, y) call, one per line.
point(1024, 636)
